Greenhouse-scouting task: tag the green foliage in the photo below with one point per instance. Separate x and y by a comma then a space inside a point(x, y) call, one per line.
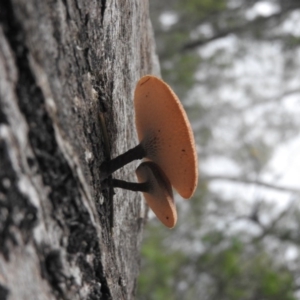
point(233, 274)
point(275, 282)
point(204, 6)
point(200, 9)
point(179, 68)
point(291, 42)
point(159, 266)
point(179, 71)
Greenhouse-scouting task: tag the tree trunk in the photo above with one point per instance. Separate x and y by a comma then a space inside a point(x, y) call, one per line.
point(61, 64)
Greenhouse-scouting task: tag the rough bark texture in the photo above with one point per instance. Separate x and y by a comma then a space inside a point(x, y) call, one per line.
point(61, 63)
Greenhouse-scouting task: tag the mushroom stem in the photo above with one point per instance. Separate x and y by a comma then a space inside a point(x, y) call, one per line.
point(108, 167)
point(132, 186)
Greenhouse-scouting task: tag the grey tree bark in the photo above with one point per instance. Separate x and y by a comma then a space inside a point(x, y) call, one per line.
point(62, 62)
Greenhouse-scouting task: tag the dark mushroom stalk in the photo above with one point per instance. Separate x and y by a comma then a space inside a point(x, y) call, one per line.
point(109, 167)
point(165, 136)
point(156, 188)
point(126, 185)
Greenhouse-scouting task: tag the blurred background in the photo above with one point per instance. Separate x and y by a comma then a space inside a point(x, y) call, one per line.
point(235, 66)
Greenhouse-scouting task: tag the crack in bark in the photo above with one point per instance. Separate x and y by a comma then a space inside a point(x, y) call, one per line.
point(4, 292)
point(67, 10)
point(3, 119)
point(12, 202)
point(103, 8)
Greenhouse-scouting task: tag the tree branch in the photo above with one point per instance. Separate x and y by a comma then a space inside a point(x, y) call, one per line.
point(250, 181)
point(258, 22)
point(274, 99)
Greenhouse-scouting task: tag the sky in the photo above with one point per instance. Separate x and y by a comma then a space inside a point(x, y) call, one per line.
point(260, 76)
point(263, 70)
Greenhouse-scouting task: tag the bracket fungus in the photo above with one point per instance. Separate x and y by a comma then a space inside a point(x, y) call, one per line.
point(165, 136)
point(157, 191)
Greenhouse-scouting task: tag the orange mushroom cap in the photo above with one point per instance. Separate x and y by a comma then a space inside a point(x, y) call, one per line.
point(165, 133)
point(160, 195)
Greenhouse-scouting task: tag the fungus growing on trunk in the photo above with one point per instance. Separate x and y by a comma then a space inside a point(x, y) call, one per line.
point(157, 191)
point(165, 136)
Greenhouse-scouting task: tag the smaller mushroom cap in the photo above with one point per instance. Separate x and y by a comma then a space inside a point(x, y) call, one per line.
point(165, 133)
point(160, 195)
